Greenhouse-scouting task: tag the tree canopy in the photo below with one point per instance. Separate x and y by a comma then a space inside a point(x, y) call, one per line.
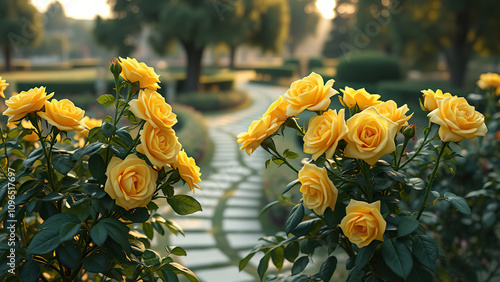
point(21, 25)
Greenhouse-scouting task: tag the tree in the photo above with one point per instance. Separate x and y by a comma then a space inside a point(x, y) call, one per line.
point(20, 25)
point(339, 41)
point(303, 22)
point(196, 24)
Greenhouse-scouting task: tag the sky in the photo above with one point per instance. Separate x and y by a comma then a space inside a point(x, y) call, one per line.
point(78, 9)
point(88, 9)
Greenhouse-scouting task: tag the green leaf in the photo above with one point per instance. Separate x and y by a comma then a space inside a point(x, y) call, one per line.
point(169, 275)
point(425, 250)
point(90, 150)
point(294, 218)
point(125, 137)
point(44, 241)
point(305, 227)
point(278, 256)
point(328, 268)
point(292, 251)
point(268, 206)
point(54, 196)
point(290, 155)
point(151, 258)
point(416, 183)
point(137, 215)
point(107, 100)
point(245, 260)
point(458, 202)
point(290, 186)
point(178, 251)
point(268, 162)
point(99, 234)
point(108, 129)
point(278, 161)
point(397, 256)
point(147, 228)
point(184, 271)
point(97, 167)
point(263, 265)
point(69, 256)
point(97, 262)
point(364, 254)
point(356, 275)
point(29, 271)
point(184, 204)
point(63, 163)
point(299, 265)
point(69, 230)
point(130, 116)
point(107, 119)
point(407, 225)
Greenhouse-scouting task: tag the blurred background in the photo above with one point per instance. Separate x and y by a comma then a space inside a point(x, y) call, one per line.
point(222, 62)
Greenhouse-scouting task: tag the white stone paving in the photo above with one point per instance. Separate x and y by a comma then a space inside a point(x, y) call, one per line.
point(232, 188)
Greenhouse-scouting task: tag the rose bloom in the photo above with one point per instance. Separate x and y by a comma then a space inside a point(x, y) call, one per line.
point(3, 86)
point(359, 97)
point(26, 102)
point(324, 133)
point(431, 98)
point(188, 170)
point(278, 109)
point(89, 123)
point(309, 93)
point(151, 107)
point(131, 182)
point(258, 131)
point(63, 114)
point(370, 136)
point(489, 80)
point(160, 145)
point(391, 111)
point(458, 120)
point(363, 223)
point(318, 191)
point(134, 71)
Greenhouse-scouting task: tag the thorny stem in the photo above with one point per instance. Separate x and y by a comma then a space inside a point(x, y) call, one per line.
point(422, 145)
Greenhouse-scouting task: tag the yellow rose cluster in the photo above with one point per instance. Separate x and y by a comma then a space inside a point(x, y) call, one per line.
point(132, 182)
point(3, 86)
point(490, 80)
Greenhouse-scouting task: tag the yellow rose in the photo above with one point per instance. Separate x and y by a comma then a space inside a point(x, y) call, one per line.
point(363, 223)
point(431, 98)
point(63, 114)
point(134, 71)
point(490, 80)
point(88, 124)
point(258, 131)
point(309, 93)
point(278, 109)
point(361, 97)
point(159, 144)
point(131, 182)
point(151, 107)
point(188, 170)
point(26, 102)
point(318, 191)
point(458, 120)
point(391, 111)
point(370, 136)
point(324, 133)
point(3, 86)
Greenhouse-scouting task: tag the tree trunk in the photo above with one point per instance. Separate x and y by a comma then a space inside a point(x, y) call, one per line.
point(194, 56)
point(232, 56)
point(460, 53)
point(7, 51)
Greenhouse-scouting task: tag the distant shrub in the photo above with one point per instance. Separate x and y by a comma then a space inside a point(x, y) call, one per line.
point(368, 67)
point(214, 101)
point(316, 63)
point(191, 131)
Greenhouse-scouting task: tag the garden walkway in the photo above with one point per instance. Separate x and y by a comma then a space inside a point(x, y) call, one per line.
point(217, 238)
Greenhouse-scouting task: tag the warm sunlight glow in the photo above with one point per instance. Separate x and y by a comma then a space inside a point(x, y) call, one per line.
point(78, 9)
point(326, 7)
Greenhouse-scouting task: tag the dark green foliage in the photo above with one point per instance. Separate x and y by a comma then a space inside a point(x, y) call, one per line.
point(368, 67)
point(192, 131)
point(214, 101)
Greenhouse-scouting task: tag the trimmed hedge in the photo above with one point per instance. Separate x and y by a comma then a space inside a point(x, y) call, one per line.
point(65, 87)
point(214, 101)
point(285, 71)
point(368, 67)
point(191, 131)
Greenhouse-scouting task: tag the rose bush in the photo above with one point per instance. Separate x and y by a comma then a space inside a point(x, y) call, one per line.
point(357, 172)
point(87, 210)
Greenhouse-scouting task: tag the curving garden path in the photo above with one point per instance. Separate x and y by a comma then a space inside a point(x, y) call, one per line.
point(217, 238)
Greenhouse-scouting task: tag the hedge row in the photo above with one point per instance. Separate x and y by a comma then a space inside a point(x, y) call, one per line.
point(191, 131)
point(214, 101)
